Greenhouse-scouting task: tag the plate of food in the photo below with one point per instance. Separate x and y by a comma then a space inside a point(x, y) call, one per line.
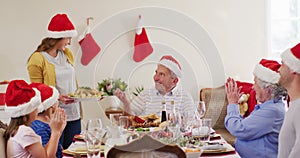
point(144, 129)
point(151, 120)
point(148, 124)
point(86, 94)
point(79, 137)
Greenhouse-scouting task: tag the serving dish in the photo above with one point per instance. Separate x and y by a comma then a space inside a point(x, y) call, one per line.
point(192, 152)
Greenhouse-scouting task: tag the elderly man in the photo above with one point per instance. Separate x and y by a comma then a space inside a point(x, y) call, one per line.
point(289, 137)
point(257, 135)
point(167, 90)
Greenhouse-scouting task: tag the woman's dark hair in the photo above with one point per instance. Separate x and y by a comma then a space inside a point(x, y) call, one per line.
point(46, 45)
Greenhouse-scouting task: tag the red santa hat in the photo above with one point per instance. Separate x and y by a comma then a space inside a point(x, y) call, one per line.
point(172, 64)
point(60, 26)
point(267, 70)
point(21, 98)
point(49, 95)
point(291, 57)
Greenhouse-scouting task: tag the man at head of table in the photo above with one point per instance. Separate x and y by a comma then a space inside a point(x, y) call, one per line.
point(167, 89)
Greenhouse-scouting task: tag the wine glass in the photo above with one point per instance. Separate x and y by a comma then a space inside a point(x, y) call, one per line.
point(187, 119)
point(123, 125)
point(201, 109)
point(174, 124)
point(93, 135)
point(114, 119)
point(124, 122)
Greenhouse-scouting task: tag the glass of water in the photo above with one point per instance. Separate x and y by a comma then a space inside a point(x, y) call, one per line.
point(201, 109)
point(204, 130)
point(93, 137)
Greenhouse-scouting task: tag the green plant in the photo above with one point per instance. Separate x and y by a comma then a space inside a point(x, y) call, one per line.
point(109, 86)
point(138, 90)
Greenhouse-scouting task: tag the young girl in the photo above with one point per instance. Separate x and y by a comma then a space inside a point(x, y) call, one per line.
point(49, 106)
point(23, 102)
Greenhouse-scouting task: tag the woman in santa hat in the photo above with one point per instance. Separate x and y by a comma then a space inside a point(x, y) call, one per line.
point(23, 102)
point(53, 64)
point(257, 134)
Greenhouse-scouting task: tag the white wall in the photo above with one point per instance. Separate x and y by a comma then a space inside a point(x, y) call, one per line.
point(212, 39)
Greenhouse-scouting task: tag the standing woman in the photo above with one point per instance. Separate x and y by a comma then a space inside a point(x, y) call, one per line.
point(53, 64)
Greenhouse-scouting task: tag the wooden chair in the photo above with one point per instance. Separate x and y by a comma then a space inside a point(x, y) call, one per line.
point(146, 146)
point(2, 144)
point(216, 104)
point(3, 125)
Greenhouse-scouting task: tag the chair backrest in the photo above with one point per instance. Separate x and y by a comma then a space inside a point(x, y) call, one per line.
point(3, 125)
point(148, 147)
point(216, 105)
point(2, 144)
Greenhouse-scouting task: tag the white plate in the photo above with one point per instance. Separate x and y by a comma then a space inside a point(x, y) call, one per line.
point(79, 148)
point(218, 148)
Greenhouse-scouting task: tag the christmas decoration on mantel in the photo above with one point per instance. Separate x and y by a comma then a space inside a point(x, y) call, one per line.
point(88, 45)
point(142, 46)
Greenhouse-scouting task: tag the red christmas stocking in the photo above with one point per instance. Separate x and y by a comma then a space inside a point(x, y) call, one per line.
point(89, 48)
point(142, 46)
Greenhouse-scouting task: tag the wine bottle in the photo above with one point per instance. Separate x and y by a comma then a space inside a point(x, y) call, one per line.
point(163, 112)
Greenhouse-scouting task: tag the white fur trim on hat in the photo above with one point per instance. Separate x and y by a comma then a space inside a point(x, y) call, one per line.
point(26, 108)
point(62, 34)
point(291, 61)
point(172, 66)
point(266, 74)
point(50, 101)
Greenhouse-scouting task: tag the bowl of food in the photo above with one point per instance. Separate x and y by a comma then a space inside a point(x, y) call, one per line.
point(192, 152)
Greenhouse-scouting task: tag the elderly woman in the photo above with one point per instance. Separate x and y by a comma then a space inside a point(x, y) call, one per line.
point(257, 135)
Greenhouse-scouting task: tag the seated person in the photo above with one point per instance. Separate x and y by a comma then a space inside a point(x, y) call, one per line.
point(49, 96)
point(257, 135)
point(22, 141)
point(167, 89)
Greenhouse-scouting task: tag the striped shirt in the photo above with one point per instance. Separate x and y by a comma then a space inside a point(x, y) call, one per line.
point(150, 102)
point(44, 130)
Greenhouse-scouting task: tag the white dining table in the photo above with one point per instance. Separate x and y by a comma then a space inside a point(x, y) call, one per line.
point(232, 154)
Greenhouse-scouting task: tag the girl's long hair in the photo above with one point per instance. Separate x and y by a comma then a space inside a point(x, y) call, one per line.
point(46, 45)
point(14, 126)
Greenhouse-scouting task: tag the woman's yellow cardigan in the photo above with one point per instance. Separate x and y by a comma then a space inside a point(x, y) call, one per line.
point(42, 71)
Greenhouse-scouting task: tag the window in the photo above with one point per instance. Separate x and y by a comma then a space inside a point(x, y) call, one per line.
point(284, 24)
